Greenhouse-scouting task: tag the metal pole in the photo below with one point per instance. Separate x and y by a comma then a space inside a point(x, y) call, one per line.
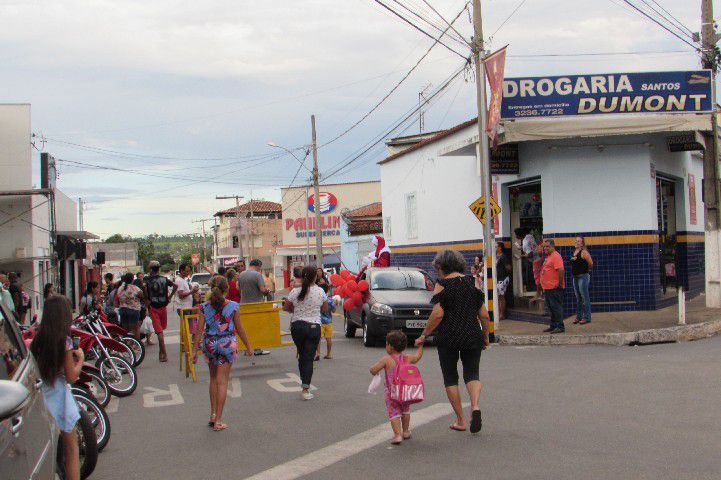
point(712, 195)
point(484, 160)
point(316, 203)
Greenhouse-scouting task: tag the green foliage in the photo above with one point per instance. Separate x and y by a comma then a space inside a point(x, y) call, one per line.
point(117, 238)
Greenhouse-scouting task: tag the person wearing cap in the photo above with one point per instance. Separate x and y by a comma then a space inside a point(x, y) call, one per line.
point(157, 298)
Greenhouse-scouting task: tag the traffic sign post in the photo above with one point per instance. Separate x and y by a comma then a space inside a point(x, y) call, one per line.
point(478, 208)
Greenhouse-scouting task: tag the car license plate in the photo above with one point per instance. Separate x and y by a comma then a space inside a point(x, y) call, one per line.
point(416, 323)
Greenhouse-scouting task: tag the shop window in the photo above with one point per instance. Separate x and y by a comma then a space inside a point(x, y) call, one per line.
point(411, 215)
point(235, 241)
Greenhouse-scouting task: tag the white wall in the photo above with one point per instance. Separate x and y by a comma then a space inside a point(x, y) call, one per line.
point(444, 187)
point(584, 188)
point(15, 149)
point(66, 212)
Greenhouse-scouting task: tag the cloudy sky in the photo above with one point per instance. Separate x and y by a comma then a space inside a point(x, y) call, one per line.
point(186, 95)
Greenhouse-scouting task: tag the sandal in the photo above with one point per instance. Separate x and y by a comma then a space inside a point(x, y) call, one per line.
point(584, 322)
point(397, 440)
point(219, 426)
point(328, 357)
point(163, 358)
point(455, 427)
point(211, 423)
point(476, 421)
point(577, 321)
point(406, 435)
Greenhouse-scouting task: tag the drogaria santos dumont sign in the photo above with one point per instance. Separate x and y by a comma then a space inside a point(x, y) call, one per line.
point(608, 93)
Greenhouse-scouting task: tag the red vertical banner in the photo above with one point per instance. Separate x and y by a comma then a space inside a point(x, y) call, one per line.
point(495, 64)
point(494, 194)
point(692, 199)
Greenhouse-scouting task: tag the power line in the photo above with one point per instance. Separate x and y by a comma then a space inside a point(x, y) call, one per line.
point(397, 85)
point(450, 25)
point(679, 24)
point(628, 2)
point(394, 12)
point(594, 54)
point(458, 39)
point(520, 4)
point(380, 137)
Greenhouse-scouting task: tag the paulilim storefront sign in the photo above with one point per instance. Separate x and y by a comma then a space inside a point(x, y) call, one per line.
point(648, 92)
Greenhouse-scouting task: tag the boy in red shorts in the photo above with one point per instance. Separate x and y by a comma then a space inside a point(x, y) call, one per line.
point(157, 298)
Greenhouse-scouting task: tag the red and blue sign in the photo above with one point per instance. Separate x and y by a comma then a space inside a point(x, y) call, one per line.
point(327, 202)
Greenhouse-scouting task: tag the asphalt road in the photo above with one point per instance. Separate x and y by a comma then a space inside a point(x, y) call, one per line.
point(650, 412)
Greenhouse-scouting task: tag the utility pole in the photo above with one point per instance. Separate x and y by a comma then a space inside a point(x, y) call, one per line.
point(712, 196)
point(202, 222)
point(485, 166)
point(251, 246)
point(237, 224)
point(316, 202)
point(307, 227)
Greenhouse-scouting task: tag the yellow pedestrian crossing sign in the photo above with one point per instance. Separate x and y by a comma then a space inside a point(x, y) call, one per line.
point(479, 206)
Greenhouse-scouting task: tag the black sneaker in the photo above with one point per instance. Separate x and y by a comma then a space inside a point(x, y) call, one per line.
point(558, 330)
point(549, 330)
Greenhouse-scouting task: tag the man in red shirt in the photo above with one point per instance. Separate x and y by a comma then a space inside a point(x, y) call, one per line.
point(553, 283)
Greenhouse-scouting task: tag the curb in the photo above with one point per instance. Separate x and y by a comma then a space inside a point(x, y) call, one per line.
point(678, 333)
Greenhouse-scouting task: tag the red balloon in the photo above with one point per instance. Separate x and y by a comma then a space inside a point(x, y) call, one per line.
point(357, 298)
point(351, 285)
point(340, 291)
point(363, 286)
point(346, 275)
point(348, 305)
point(337, 280)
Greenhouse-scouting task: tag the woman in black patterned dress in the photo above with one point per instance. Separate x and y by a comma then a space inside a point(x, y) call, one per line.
point(460, 320)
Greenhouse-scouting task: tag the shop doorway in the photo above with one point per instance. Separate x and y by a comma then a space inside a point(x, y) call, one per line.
point(526, 217)
point(666, 212)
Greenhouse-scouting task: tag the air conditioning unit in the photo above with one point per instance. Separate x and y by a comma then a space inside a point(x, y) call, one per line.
point(21, 252)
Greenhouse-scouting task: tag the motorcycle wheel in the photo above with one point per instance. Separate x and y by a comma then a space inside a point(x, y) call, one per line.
point(122, 384)
point(137, 348)
point(98, 416)
point(126, 353)
point(88, 448)
point(98, 388)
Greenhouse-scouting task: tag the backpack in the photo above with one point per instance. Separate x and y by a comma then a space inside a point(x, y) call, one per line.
point(158, 291)
point(407, 384)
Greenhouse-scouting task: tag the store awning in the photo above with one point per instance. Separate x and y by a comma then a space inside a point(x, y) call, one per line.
point(599, 125)
point(79, 235)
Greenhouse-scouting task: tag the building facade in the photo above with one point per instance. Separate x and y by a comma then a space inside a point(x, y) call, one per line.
point(358, 227)
point(251, 230)
point(299, 222)
point(629, 184)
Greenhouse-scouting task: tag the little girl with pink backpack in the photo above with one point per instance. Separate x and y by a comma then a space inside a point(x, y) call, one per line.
point(403, 383)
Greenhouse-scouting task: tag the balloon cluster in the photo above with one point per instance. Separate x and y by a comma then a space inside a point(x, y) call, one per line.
point(347, 287)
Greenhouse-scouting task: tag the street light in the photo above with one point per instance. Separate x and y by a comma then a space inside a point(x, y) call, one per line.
point(302, 162)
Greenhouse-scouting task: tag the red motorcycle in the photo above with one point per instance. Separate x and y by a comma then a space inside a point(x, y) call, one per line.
point(135, 352)
point(118, 373)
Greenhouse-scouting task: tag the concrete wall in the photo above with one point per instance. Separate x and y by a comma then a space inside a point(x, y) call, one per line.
point(66, 212)
point(15, 148)
point(353, 249)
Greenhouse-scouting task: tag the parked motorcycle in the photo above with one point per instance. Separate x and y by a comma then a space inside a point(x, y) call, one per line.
point(136, 347)
point(88, 448)
point(118, 374)
point(98, 417)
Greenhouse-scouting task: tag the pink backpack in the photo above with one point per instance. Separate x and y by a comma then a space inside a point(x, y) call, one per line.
point(407, 383)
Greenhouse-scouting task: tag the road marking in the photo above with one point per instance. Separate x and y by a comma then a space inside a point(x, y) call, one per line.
point(234, 390)
point(112, 406)
point(279, 384)
point(327, 456)
point(172, 397)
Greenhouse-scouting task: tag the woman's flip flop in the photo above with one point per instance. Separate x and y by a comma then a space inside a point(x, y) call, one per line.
point(219, 426)
point(476, 421)
point(211, 423)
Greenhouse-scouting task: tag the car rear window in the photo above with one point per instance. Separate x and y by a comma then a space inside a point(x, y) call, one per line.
point(201, 278)
point(398, 280)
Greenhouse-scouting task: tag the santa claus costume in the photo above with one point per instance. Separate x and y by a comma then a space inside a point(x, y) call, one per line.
point(382, 254)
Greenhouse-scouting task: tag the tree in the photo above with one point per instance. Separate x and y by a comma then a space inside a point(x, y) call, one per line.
point(146, 251)
point(117, 238)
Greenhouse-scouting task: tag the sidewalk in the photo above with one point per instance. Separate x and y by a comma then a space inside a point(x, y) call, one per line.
point(620, 328)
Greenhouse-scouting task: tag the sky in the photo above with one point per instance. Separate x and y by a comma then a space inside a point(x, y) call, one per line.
point(155, 108)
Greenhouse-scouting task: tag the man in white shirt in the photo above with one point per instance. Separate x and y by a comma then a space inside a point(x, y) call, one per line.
point(185, 291)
